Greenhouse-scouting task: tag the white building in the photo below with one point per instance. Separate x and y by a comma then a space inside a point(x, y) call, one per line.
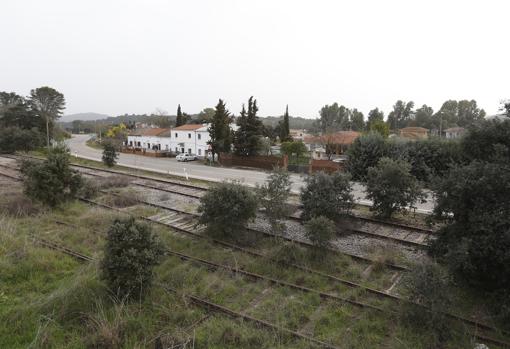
point(190, 138)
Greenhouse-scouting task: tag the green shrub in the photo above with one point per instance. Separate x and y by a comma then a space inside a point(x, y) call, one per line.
point(364, 153)
point(429, 286)
point(320, 231)
point(226, 208)
point(109, 154)
point(392, 187)
point(273, 197)
point(51, 181)
point(131, 253)
point(327, 195)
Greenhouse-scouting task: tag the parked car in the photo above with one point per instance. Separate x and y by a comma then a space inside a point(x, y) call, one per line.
point(186, 157)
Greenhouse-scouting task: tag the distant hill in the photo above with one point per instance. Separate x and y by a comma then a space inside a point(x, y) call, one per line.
point(83, 117)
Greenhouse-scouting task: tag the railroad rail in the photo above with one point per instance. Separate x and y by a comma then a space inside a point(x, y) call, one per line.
point(205, 188)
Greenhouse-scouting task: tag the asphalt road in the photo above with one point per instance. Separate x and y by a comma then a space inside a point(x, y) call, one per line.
point(199, 171)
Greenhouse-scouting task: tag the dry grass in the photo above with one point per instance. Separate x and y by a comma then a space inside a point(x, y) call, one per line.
point(18, 205)
point(117, 181)
point(123, 199)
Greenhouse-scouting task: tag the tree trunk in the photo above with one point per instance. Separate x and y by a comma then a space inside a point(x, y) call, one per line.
point(48, 133)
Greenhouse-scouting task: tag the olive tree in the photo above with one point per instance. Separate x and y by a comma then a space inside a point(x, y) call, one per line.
point(326, 195)
point(226, 209)
point(52, 181)
point(109, 154)
point(131, 252)
point(320, 230)
point(273, 197)
point(392, 187)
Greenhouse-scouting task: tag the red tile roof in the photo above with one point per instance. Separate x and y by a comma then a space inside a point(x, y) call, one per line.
point(150, 131)
point(188, 127)
point(340, 137)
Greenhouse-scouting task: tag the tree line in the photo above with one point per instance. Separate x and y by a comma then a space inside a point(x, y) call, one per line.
point(452, 113)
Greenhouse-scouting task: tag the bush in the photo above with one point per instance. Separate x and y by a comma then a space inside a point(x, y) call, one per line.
point(429, 286)
point(488, 141)
point(109, 154)
point(89, 188)
point(392, 187)
point(320, 231)
point(123, 199)
point(51, 181)
point(326, 195)
point(474, 199)
point(15, 138)
point(364, 153)
point(226, 208)
point(273, 197)
point(114, 182)
point(131, 253)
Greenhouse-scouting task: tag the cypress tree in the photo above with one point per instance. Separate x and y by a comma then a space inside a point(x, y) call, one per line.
point(284, 127)
point(180, 117)
point(240, 135)
point(219, 130)
point(249, 131)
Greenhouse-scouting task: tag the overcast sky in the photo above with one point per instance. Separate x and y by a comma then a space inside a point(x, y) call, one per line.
point(117, 57)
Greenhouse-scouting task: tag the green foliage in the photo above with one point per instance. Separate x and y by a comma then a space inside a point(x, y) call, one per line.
point(293, 147)
point(320, 231)
point(429, 286)
point(285, 127)
point(219, 130)
point(180, 119)
point(109, 154)
point(15, 138)
point(52, 181)
point(488, 141)
point(131, 253)
point(273, 196)
point(365, 152)
point(226, 208)
point(49, 104)
point(357, 120)
point(334, 118)
point(459, 113)
point(475, 199)
point(401, 114)
point(392, 187)
point(327, 195)
point(247, 136)
point(380, 127)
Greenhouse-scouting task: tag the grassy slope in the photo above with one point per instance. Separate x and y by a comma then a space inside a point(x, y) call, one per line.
point(47, 299)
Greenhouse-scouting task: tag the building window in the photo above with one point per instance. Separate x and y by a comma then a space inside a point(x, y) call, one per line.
point(176, 135)
point(148, 145)
point(189, 150)
point(199, 151)
point(199, 136)
point(189, 135)
point(176, 149)
point(131, 143)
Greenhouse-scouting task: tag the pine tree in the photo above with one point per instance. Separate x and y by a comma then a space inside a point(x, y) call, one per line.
point(180, 120)
point(249, 131)
point(219, 130)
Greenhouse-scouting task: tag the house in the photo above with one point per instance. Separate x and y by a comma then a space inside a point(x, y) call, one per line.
point(184, 138)
point(149, 139)
point(414, 133)
point(454, 132)
point(334, 144)
point(298, 134)
point(189, 138)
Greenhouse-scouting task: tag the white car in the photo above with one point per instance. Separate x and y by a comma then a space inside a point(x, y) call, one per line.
point(186, 157)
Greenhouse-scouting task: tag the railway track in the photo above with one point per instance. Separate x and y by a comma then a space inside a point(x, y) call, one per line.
point(257, 277)
point(190, 225)
point(206, 304)
point(265, 233)
point(198, 190)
